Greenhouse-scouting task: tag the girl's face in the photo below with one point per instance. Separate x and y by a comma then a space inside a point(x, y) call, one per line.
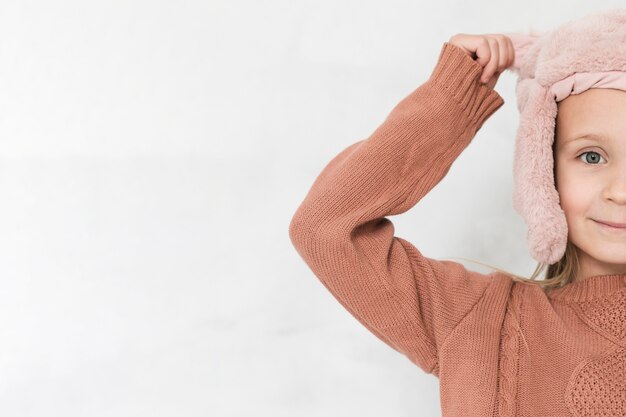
point(590, 176)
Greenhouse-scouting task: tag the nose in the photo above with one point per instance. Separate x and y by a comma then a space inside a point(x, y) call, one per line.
point(615, 189)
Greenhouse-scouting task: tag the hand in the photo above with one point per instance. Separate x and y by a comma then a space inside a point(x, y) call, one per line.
point(493, 51)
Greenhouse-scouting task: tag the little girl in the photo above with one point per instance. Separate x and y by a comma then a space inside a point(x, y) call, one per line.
point(501, 345)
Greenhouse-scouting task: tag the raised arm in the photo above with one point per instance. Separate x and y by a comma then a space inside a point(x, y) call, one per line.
point(409, 301)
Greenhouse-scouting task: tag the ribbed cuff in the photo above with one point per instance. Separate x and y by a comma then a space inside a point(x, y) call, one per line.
point(459, 74)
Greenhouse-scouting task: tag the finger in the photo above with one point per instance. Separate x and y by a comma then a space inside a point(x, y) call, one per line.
point(509, 44)
point(483, 52)
point(506, 50)
point(504, 54)
point(493, 80)
point(492, 65)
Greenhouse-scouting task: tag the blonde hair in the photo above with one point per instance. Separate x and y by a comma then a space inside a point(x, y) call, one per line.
point(560, 273)
point(557, 275)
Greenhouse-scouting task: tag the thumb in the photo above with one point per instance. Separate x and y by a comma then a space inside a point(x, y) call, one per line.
point(493, 80)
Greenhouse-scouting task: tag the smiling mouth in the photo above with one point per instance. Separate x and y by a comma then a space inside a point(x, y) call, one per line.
point(613, 226)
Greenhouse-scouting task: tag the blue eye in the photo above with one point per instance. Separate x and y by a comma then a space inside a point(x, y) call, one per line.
point(594, 158)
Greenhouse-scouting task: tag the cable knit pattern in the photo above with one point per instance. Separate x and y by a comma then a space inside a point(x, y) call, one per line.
point(598, 387)
point(509, 357)
point(499, 348)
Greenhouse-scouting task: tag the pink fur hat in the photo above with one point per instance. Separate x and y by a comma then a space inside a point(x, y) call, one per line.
point(585, 53)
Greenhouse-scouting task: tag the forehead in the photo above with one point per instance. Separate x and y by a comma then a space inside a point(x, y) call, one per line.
point(598, 111)
point(593, 98)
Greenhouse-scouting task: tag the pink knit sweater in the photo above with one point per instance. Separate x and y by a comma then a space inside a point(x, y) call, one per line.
point(499, 347)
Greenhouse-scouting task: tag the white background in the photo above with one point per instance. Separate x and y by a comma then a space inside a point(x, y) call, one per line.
point(152, 155)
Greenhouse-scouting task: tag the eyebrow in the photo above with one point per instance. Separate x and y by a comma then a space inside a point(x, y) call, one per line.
point(590, 136)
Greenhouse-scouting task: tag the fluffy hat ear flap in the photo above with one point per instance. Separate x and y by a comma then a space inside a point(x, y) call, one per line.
point(522, 42)
point(535, 197)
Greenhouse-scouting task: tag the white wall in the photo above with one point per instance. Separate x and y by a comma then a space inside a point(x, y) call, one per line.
point(152, 154)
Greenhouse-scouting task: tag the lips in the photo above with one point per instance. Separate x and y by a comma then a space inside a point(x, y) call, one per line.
point(616, 225)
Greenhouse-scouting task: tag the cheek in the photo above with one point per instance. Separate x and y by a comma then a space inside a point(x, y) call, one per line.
point(572, 195)
point(561, 183)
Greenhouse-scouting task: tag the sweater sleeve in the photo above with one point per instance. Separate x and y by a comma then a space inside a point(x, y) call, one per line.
point(409, 301)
